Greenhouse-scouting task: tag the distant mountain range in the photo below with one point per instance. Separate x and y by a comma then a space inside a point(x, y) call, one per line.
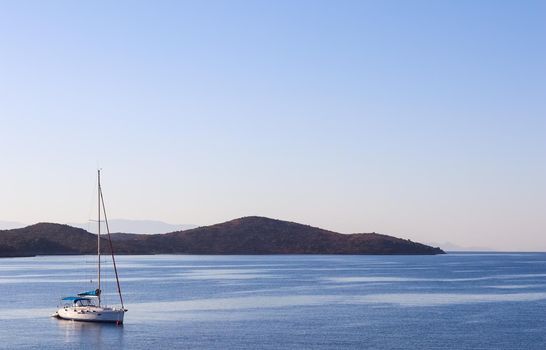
point(452, 247)
point(248, 235)
point(117, 225)
point(137, 226)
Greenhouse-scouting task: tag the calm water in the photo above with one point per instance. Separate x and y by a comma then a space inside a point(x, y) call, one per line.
point(456, 301)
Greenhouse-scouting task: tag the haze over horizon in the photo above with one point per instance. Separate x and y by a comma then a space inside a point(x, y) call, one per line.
point(424, 119)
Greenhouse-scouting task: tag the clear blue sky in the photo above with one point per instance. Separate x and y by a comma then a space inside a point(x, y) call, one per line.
point(422, 119)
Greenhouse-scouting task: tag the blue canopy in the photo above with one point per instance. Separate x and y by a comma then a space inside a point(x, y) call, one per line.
point(95, 292)
point(75, 298)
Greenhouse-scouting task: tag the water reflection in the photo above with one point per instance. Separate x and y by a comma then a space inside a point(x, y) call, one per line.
point(272, 302)
point(90, 335)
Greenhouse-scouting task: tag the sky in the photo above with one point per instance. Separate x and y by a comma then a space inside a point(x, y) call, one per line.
point(421, 119)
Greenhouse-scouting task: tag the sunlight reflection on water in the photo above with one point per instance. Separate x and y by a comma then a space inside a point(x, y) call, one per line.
point(285, 301)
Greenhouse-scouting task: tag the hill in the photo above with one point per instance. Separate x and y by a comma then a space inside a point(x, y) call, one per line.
point(46, 239)
point(248, 235)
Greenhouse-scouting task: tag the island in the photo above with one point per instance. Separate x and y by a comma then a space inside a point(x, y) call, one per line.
point(247, 235)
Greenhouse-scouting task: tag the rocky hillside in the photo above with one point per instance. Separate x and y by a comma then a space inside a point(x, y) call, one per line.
point(249, 235)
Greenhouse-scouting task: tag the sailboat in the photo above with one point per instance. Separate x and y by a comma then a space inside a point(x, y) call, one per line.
point(88, 306)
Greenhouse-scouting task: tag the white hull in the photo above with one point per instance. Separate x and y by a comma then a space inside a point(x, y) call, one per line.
point(91, 314)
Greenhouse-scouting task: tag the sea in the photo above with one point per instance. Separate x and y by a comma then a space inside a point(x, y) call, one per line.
point(453, 301)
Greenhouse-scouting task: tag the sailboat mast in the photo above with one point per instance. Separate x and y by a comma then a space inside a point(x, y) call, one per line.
point(111, 249)
point(98, 232)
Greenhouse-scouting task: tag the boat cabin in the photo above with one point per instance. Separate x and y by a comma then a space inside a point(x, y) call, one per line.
point(79, 301)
